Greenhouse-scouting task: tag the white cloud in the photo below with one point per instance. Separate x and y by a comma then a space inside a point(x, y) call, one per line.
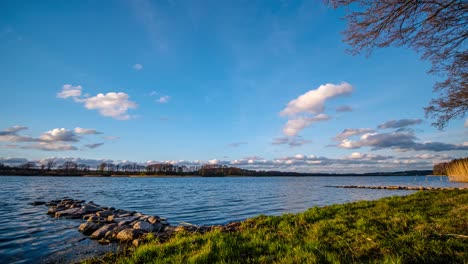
point(112, 104)
point(349, 132)
point(138, 67)
point(57, 139)
point(293, 126)
point(69, 90)
point(163, 99)
point(308, 108)
point(85, 131)
point(59, 134)
point(314, 100)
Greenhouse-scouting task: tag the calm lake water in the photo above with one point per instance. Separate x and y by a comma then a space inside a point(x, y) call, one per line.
point(28, 235)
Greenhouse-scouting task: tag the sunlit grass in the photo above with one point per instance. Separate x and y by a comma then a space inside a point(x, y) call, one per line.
point(426, 227)
point(457, 170)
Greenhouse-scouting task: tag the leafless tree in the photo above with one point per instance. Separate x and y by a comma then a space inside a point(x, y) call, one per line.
point(50, 164)
point(28, 165)
point(437, 29)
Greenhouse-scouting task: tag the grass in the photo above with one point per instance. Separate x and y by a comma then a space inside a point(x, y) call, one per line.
point(425, 227)
point(457, 170)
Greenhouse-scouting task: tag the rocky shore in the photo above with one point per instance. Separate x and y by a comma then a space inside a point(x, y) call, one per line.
point(108, 224)
point(394, 187)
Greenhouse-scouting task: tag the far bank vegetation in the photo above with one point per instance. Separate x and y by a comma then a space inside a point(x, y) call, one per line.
point(456, 170)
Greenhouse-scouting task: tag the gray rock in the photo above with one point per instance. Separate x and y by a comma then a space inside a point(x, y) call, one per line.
point(153, 219)
point(54, 209)
point(91, 209)
point(144, 226)
point(101, 232)
point(112, 234)
point(158, 227)
point(111, 218)
point(125, 220)
point(87, 228)
point(104, 213)
point(129, 234)
point(38, 203)
point(67, 212)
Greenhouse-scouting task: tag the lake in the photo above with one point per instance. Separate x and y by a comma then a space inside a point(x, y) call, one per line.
point(28, 235)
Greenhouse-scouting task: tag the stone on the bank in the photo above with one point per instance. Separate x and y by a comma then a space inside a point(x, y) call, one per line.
point(104, 213)
point(113, 233)
point(163, 221)
point(125, 220)
point(54, 209)
point(128, 234)
point(137, 242)
point(38, 203)
point(157, 227)
point(87, 228)
point(153, 219)
point(88, 208)
point(144, 226)
point(68, 212)
point(101, 232)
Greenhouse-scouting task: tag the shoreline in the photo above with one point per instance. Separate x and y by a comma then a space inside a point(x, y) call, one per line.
point(352, 232)
point(410, 204)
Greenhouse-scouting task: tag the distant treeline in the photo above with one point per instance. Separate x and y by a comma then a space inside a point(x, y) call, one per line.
point(70, 168)
point(457, 169)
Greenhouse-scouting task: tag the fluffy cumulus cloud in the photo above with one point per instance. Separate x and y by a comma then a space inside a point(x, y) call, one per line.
point(349, 132)
point(57, 139)
point(308, 108)
point(314, 100)
point(138, 67)
point(59, 134)
point(115, 105)
point(400, 141)
point(112, 104)
point(290, 141)
point(69, 90)
point(293, 126)
point(400, 123)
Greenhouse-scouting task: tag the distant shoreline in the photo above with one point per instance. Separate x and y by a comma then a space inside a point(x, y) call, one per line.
point(376, 174)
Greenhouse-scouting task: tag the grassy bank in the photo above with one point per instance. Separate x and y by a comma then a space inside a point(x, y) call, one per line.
point(426, 227)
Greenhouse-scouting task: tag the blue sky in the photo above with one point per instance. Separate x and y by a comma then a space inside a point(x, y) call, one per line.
point(254, 84)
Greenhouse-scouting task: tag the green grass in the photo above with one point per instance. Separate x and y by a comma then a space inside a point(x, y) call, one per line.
point(419, 228)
